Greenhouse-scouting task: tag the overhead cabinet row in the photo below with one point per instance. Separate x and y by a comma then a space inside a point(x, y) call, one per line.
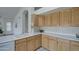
point(66, 17)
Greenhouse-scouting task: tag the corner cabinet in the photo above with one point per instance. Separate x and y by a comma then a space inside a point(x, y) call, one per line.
point(34, 42)
point(38, 41)
point(49, 43)
point(45, 41)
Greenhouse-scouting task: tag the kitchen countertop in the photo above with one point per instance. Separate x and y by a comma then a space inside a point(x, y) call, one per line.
point(4, 39)
point(68, 37)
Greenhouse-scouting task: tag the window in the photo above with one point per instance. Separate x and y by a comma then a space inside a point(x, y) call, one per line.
point(8, 26)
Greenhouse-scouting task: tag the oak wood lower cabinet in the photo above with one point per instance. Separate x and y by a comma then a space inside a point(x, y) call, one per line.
point(53, 44)
point(63, 45)
point(74, 46)
point(34, 42)
point(45, 41)
point(21, 45)
point(38, 41)
point(28, 44)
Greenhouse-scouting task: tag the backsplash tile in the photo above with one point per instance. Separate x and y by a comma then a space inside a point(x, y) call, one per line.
point(62, 30)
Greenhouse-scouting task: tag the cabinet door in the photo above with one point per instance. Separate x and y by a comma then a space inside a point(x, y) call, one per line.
point(66, 45)
point(31, 44)
point(75, 17)
point(48, 20)
point(66, 17)
point(21, 45)
point(63, 45)
point(52, 44)
point(41, 20)
point(60, 45)
point(38, 41)
point(35, 20)
point(74, 46)
point(55, 18)
point(45, 41)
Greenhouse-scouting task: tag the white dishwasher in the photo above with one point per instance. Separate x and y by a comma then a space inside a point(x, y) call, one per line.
point(7, 46)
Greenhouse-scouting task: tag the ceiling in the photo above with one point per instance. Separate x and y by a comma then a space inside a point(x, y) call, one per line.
point(9, 11)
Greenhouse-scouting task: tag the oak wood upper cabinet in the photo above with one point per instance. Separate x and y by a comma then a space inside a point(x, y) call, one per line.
point(55, 18)
point(34, 20)
point(63, 45)
point(48, 20)
point(38, 20)
point(66, 17)
point(41, 20)
point(21, 45)
point(75, 17)
point(45, 41)
point(53, 44)
point(74, 46)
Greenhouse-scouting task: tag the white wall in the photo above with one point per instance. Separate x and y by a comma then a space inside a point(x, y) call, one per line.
point(30, 29)
point(62, 30)
point(20, 21)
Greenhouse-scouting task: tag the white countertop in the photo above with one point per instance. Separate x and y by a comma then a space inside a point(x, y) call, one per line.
point(4, 39)
point(68, 37)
